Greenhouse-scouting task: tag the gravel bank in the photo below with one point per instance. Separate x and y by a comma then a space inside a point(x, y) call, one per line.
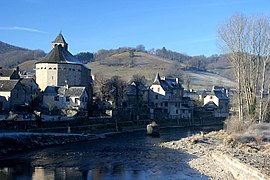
point(253, 154)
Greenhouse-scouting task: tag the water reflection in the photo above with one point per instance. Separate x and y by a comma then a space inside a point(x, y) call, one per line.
point(122, 156)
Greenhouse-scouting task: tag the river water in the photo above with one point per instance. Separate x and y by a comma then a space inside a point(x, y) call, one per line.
point(121, 156)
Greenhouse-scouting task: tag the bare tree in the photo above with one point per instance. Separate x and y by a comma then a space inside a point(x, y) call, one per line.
point(246, 39)
point(175, 70)
point(233, 35)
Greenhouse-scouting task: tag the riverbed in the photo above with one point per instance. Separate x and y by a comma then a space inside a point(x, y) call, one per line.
point(130, 155)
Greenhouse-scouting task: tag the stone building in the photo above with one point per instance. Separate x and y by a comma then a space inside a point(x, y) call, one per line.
point(60, 67)
point(12, 94)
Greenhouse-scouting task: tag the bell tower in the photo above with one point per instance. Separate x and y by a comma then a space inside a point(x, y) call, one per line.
point(59, 40)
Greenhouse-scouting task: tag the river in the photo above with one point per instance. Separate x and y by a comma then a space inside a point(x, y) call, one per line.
point(121, 156)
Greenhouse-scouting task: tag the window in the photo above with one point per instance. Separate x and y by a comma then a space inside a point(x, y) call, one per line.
point(176, 111)
point(166, 104)
point(54, 68)
point(158, 89)
point(156, 96)
point(67, 99)
point(77, 100)
point(56, 98)
point(52, 77)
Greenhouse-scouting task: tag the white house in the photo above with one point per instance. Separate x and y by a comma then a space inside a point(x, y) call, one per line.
point(166, 97)
point(217, 101)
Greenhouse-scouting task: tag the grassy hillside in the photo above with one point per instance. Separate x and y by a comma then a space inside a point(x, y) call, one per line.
point(148, 65)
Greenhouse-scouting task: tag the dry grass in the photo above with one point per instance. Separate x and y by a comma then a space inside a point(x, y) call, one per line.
point(240, 133)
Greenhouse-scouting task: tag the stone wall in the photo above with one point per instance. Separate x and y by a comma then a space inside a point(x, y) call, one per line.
point(239, 170)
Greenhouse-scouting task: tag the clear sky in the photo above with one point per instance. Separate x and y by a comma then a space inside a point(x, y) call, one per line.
point(185, 26)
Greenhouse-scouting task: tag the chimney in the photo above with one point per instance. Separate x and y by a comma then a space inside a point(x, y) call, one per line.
point(66, 84)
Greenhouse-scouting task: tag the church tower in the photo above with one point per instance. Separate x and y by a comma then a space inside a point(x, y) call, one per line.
point(59, 40)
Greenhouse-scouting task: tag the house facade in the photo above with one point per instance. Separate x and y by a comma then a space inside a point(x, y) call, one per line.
point(166, 97)
point(78, 97)
point(31, 89)
point(218, 102)
point(12, 94)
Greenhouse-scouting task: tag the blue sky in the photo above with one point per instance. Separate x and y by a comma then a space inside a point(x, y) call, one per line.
point(185, 26)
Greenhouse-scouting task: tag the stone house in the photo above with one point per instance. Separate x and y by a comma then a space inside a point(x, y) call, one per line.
point(218, 102)
point(78, 97)
point(12, 94)
point(31, 89)
point(60, 97)
point(166, 98)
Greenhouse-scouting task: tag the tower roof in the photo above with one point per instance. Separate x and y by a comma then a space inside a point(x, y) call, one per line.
point(157, 79)
point(59, 55)
point(59, 39)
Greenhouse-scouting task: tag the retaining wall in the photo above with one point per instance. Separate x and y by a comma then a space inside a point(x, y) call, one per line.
point(239, 170)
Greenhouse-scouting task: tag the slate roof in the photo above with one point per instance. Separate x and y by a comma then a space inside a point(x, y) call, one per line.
point(61, 90)
point(8, 85)
point(9, 72)
point(6, 72)
point(210, 104)
point(59, 55)
point(220, 95)
point(131, 90)
point(167, 83)
point(75, 91)
point(26, 81)
point(50, 90)
point(59, 39)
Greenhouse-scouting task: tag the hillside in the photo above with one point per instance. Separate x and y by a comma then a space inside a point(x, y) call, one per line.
point(12, 56)
point(4, 47)
point(121, 64)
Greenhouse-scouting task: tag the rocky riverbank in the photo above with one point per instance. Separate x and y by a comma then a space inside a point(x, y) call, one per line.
point(245, 152)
